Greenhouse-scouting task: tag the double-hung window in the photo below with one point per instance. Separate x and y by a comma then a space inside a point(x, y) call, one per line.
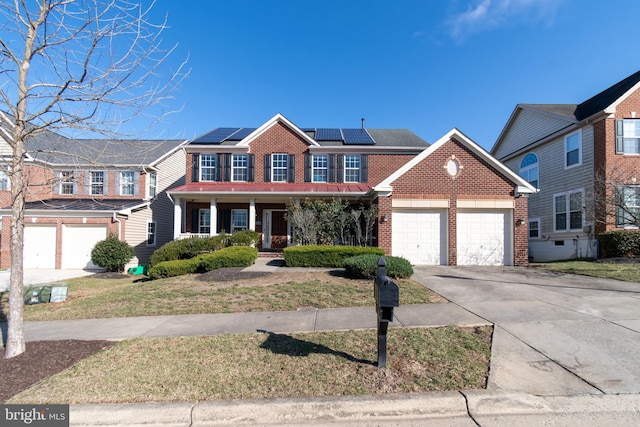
point(4, 181)
point(529, 169)
point(96, 183)
point(534, 228)
point(238, 220)
point(127, 187)
point(240, 167)
point(207, 167)
point(320, 168)
point(628, 136)
point(279, 167)
point(204, 221)
point(568, 210)
point(152, 185)
point(351, 168)
point(67, 182)
point(151, 233)
point(573, 150)
point(628, 206)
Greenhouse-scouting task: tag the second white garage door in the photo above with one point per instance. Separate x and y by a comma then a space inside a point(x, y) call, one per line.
point(39, 246)
point(420, 236)
point(77, 243)
point(484, 237)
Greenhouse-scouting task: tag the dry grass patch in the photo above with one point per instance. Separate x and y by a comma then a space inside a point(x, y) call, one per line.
point(212, 293)
point(270, 365)
point(624, 269)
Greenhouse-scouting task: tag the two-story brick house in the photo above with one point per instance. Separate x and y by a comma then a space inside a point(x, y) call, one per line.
point(579, 156)
point(80, 191)
point(432, 199)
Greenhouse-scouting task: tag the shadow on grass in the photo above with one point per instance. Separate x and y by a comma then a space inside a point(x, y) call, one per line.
point(287, 345)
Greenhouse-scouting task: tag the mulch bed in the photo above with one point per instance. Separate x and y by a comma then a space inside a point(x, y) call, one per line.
point(41, 360)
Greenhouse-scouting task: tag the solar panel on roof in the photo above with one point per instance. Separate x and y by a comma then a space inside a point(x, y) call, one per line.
point(216, 136)
point(324, 134)
point(241, 134)
point(357, 137)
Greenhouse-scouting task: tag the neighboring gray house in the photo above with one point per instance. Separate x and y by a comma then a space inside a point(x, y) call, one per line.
point(80, 191)
point(569, 152)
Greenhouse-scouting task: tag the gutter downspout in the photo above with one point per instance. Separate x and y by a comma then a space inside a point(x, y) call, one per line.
point(115, 219)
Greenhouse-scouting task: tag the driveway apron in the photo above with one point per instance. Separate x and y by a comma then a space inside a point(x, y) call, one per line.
point(554, 333)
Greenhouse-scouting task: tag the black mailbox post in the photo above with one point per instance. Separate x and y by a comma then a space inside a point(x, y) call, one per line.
point(387, 297)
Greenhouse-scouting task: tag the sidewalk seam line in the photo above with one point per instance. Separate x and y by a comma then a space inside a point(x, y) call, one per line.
point(466, 404)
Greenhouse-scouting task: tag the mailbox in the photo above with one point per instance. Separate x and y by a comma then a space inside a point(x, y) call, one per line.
point(387, 297)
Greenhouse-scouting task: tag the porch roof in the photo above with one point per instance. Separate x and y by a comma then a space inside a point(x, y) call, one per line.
point(270, 188)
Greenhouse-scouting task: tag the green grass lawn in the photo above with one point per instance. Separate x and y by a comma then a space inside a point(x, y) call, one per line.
point(627, 271)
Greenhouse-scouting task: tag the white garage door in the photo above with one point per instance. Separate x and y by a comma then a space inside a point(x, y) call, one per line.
point(77, 243)
point(484, 237)
point(420, 236)
point(39, 246)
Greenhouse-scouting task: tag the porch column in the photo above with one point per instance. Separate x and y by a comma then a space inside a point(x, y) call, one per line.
point(252, 214)
point(177, 217)
point(213, 217)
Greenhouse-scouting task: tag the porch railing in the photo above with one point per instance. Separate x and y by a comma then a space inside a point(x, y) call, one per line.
point(193, 236)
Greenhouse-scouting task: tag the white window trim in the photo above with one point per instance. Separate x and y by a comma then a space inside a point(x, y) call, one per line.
point(149, 196)
point(625, 226)
point(234, 167)
point(314, 168)
point(91, 182)
point(528, 168)
point(529, 228)
point(202, 168)
point(568, 194)
point(200, 212)
point(132, 183)
point(63, 181)
point(345, 168)
point(285, 168)
point(564, 159)
point(155, 233)
point(233, 225)
point(5, 174)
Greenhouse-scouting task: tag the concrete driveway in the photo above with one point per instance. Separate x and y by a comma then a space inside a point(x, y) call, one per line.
point(555, 334)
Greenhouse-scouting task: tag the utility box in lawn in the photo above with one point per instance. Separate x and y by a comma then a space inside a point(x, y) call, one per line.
point(387, 297)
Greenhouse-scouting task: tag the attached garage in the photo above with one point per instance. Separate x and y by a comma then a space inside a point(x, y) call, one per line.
point(420, 235)
point(484, 237)
point(77, 242)
point(39, 246)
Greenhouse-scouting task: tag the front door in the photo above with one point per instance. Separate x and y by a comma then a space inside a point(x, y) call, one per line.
point(275, 230)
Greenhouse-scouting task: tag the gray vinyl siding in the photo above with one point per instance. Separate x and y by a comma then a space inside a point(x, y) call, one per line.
point(554, 178)
point(171, 173)
point(528, 127)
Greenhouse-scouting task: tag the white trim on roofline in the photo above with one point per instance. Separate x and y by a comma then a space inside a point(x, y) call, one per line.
point(611, 109)
point(523, 187)
point(278, 118)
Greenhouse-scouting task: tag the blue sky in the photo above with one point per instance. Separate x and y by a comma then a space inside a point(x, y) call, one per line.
point(423, 65)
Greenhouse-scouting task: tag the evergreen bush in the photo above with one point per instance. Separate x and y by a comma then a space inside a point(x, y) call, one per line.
point(366, 266)
point(324, 255)
point(112, 254)
point(620, 243)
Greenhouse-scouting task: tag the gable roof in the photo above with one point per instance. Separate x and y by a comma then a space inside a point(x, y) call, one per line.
point(523, 187)
point(317, 137)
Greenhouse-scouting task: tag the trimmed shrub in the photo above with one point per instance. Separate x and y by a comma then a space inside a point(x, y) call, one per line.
point(324, 256)
point(112, 254)
point(188, 248)
point(173, 268)
point(366, 266)
point(244, 238)
point(620, 243)
point(233, 256)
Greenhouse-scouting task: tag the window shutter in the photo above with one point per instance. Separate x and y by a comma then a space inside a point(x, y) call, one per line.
point(307, 167)
point(332, 168)
point(105, 187)
point(56, 182)
point(87, 182)
point(227, 167)
point(364, 168)
point(195, 227)
point(195, 165)
point(250, 167)
point(136, 184)
point(117, 183)
point(619, 136)
point(291, 166)
point(76, 177)
point(267, 168)
point(340, 167)
point(219, 167)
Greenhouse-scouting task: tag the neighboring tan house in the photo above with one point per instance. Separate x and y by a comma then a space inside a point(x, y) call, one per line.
point(445, 204)
point(80, 191)
point(584, 158)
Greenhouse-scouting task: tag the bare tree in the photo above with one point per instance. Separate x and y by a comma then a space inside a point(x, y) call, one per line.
point(615, 201)
point(79, 66)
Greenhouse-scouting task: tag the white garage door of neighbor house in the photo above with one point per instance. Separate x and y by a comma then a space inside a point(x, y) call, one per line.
point(484, 237)
point(39, 246)
point(420, 236)
point(77, 243)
